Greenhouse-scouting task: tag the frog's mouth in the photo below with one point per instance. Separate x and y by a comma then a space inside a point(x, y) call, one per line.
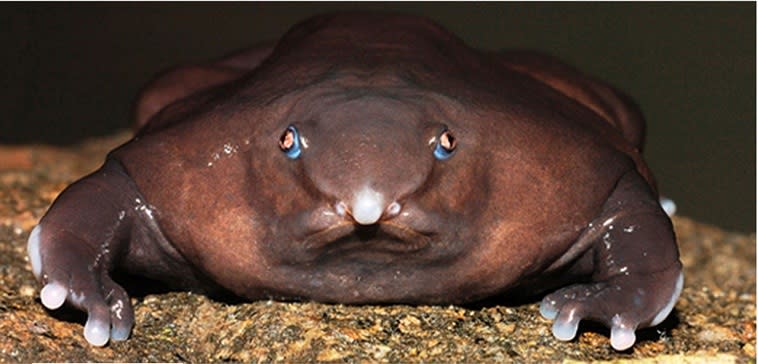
point(383, 237)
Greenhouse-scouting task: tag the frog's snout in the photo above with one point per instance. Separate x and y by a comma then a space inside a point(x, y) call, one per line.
point(368, 207)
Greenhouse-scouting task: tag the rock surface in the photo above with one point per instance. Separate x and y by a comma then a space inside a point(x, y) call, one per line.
point(714, 321)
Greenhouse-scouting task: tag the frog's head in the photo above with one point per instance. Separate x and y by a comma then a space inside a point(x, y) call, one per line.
point(370, 156)
point(368, 182)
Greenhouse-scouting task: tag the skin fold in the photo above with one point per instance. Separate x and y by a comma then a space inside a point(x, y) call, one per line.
point(372, 158)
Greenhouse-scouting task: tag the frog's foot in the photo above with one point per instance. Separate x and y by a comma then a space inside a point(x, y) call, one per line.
point(69, 274)
point(623, 303)
point(629, 252)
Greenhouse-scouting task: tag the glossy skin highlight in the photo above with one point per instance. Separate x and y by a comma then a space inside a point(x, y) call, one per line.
point(370, 158)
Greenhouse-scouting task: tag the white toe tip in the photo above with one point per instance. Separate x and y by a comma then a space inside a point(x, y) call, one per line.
point(565, 330)
point(53, 295)
point(32, 249)
point(548, 311)
point(666, 310)
point(96, 333)
point(120, 334)
point(622, 338)
point(668, 206)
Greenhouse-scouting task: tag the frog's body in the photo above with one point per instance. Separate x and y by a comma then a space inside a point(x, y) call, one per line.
point(372, 158)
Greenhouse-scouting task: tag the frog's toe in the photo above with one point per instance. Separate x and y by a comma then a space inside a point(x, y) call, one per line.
point(565, 326)
point(97, 328)
point(624, 304)
point(622, 332)
point(121, 312)
point(53, 295)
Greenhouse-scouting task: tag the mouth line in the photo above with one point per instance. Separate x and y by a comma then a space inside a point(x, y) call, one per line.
point(383, 236)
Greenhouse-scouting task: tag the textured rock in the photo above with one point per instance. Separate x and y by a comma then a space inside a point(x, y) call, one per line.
point(714, 321)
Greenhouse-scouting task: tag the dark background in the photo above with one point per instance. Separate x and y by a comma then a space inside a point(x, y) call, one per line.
point(70, 71)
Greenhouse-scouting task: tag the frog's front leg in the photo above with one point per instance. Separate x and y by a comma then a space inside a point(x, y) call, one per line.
point(97, 223)
point(636, 273)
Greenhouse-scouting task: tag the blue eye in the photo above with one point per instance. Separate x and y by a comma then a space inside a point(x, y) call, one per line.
point(290, 143)
point(445, 145)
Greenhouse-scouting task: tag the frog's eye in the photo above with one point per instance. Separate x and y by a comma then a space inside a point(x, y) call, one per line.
point(444, 145)
point(290, 142)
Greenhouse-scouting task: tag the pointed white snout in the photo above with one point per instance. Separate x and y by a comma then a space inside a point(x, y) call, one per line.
point(367, 207)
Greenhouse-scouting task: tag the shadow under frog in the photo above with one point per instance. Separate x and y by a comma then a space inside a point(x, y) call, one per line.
point(372, 158)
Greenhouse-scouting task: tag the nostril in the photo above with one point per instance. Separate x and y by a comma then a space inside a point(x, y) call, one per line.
point(393, 209)
point(340, 208)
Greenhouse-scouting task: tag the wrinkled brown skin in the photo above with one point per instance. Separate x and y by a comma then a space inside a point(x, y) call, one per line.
point(545, 155)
